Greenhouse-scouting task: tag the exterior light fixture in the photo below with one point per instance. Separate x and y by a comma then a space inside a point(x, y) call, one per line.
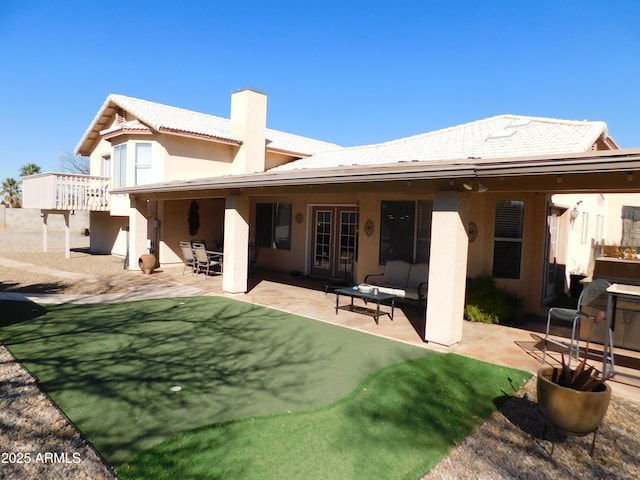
point(559, 179)
point(630, 177)
point(469, 185)
point(573, 214)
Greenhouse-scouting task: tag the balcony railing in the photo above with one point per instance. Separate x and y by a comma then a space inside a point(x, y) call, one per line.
point(63, 191)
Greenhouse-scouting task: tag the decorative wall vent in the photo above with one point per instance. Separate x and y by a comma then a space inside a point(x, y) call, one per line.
point(120, 116)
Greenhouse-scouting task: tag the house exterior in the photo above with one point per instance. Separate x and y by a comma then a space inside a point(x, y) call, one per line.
point(601, 219)
point(468, 200)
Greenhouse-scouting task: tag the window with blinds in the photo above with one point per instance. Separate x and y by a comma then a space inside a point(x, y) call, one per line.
point(630, 227)
point(507, 239)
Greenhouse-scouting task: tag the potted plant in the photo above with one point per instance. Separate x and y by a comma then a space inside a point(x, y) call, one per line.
point(574, 400)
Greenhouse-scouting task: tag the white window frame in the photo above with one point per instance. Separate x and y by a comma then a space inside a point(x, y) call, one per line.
point(144, 163)
point(516, 239)
point(120, 165)
point(106, 165)
point(585, 228)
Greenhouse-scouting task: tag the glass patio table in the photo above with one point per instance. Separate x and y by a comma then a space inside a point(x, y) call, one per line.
point(376, 298)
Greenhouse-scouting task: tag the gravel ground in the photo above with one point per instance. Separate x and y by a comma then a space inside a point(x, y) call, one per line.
point(36, 438)
point(512, 443)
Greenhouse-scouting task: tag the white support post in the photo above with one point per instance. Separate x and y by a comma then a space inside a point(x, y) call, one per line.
point(447, 270)
point(236, 245)
point(67, 237)
point(138, 233)
point(45, 231)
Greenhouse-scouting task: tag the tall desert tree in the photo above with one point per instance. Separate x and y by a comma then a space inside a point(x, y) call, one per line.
point(10, 191)
point(29, 169)
point(74, 163)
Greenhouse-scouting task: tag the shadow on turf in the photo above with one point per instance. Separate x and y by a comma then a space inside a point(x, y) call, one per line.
point(17, 311)
point(124, 360)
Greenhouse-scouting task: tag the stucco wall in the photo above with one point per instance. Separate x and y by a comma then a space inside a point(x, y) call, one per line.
point(175, 226)
point(188, 158)
point(31, 219)
point(108, 233)
point(176, 158)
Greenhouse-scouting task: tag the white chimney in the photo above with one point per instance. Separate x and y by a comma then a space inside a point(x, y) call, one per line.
point(249, 123)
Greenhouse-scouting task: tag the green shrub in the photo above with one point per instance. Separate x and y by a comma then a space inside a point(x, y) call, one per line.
point(488, 303)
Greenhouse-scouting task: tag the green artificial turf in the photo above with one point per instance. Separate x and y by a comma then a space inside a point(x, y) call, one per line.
point(111, 367)
point(264, 394)
point(396, 425)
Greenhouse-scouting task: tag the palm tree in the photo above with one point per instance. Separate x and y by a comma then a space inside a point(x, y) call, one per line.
point(29, 169)
point(10, 192)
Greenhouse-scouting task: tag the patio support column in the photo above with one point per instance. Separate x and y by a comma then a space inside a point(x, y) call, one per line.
point(138, 228)
point(447, 270)
point(67, 236)
point(236, 245)
point(45, 231)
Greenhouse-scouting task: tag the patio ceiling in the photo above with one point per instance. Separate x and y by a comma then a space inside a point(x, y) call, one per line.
point(600, 171)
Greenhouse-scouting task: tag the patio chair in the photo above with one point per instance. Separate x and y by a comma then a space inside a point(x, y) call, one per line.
point(187, 256)
point(204, 261)
point(590, 293)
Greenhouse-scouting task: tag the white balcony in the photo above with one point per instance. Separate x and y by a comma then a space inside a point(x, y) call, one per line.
point(64, 191)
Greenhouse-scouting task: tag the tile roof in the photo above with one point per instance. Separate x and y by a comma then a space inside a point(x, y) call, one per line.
point(164, 118)
point(502, 136)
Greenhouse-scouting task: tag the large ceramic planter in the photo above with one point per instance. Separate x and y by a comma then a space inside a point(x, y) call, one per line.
point(573, 412)
point(147, 263)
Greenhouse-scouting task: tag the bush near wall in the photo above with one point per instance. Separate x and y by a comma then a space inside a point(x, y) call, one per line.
point(486, 302)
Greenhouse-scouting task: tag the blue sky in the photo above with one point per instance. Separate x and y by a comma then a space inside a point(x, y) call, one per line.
point(349, 72)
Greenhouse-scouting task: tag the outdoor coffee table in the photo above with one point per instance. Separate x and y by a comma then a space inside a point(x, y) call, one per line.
point(377, 298)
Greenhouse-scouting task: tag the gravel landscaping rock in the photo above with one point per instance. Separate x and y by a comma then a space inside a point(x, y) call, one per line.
point(514, 443)
point(37, 441)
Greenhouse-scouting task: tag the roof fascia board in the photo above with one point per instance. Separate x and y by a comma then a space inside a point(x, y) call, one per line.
point(213, 138)
point(608, 161)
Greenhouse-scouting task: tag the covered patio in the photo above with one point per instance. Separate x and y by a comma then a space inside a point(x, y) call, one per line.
point(460, 191)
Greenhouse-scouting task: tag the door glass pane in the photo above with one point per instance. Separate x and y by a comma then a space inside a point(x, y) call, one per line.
point(322, 248)
point(348, 226)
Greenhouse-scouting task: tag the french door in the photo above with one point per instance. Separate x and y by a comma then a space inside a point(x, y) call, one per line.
point(334, 241)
